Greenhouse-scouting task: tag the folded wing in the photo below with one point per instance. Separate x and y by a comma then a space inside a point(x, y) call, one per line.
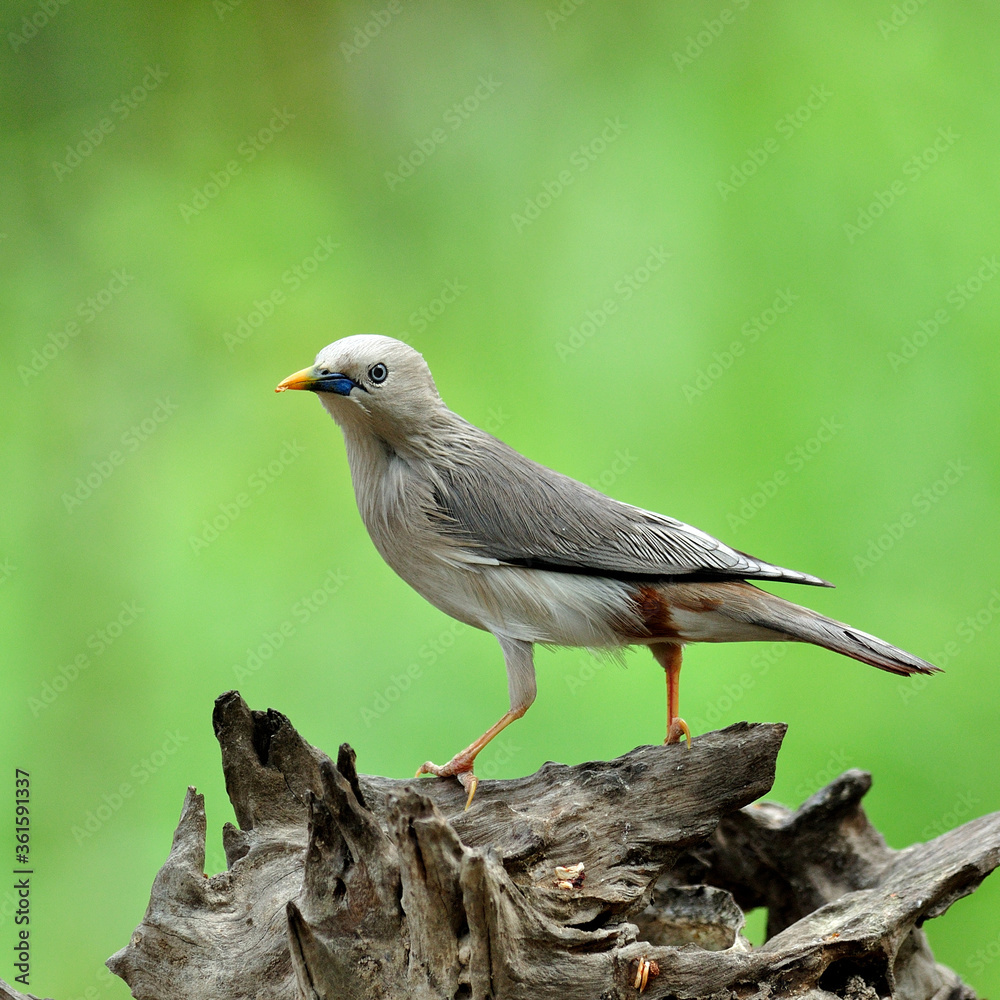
point(499, 505)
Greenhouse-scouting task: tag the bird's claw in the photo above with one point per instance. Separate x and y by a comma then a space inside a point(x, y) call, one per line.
point(455, 768)
point(676, 729)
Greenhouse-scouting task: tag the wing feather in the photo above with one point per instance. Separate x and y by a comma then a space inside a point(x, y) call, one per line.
point(500, 505)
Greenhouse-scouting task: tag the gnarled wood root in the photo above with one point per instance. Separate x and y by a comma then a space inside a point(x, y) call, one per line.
point(577, 882)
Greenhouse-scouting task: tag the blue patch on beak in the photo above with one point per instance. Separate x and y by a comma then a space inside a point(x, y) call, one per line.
point(334, 382)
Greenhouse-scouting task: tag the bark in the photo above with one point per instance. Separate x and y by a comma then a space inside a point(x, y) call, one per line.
point(575, 882)
point(9, 993)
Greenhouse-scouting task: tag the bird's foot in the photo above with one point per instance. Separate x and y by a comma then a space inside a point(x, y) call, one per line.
point(676, 729)
point(458, 767)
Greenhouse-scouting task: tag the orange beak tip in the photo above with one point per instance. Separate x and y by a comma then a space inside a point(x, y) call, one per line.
point(300, 380)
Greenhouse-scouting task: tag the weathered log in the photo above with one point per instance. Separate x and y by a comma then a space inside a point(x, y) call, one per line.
point(9, 993)
point(576, 882)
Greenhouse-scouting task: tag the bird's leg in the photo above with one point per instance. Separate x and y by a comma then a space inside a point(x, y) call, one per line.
point(521, 685)
point(668, 655)
point(460, 766)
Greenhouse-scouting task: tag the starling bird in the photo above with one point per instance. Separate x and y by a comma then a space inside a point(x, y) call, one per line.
point(507, 545)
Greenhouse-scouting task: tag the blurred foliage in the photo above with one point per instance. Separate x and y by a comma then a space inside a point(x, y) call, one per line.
point(725, 262)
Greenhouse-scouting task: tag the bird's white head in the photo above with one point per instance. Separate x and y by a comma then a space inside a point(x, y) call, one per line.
point(374, 383)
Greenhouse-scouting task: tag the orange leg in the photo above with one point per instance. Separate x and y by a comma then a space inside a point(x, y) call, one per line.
point(521, 683)
point(668, 655)
point(460, 766)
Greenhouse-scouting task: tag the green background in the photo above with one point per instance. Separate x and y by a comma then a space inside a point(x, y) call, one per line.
point(621, 407)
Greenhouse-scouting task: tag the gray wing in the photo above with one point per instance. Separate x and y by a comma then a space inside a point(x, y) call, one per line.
point(501, 506)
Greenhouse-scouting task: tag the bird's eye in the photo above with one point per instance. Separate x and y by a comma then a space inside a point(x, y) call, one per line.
point(378, 373)
point(322, 371)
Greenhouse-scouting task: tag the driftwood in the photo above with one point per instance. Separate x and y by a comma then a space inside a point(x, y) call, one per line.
point(9, 993)
point(595, 881)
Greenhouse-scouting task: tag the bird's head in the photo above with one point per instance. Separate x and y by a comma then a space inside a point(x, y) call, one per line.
point(372, 382)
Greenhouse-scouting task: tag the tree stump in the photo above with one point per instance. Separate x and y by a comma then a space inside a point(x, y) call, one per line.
point(604, 880)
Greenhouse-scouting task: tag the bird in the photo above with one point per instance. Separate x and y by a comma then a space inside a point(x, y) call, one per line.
point(504, 544)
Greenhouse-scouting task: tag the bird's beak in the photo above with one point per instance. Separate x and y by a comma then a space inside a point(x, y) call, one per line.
point(300, 380)
point(322, 381)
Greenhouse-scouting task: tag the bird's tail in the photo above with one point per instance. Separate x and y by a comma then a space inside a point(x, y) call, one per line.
point(808, 626)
